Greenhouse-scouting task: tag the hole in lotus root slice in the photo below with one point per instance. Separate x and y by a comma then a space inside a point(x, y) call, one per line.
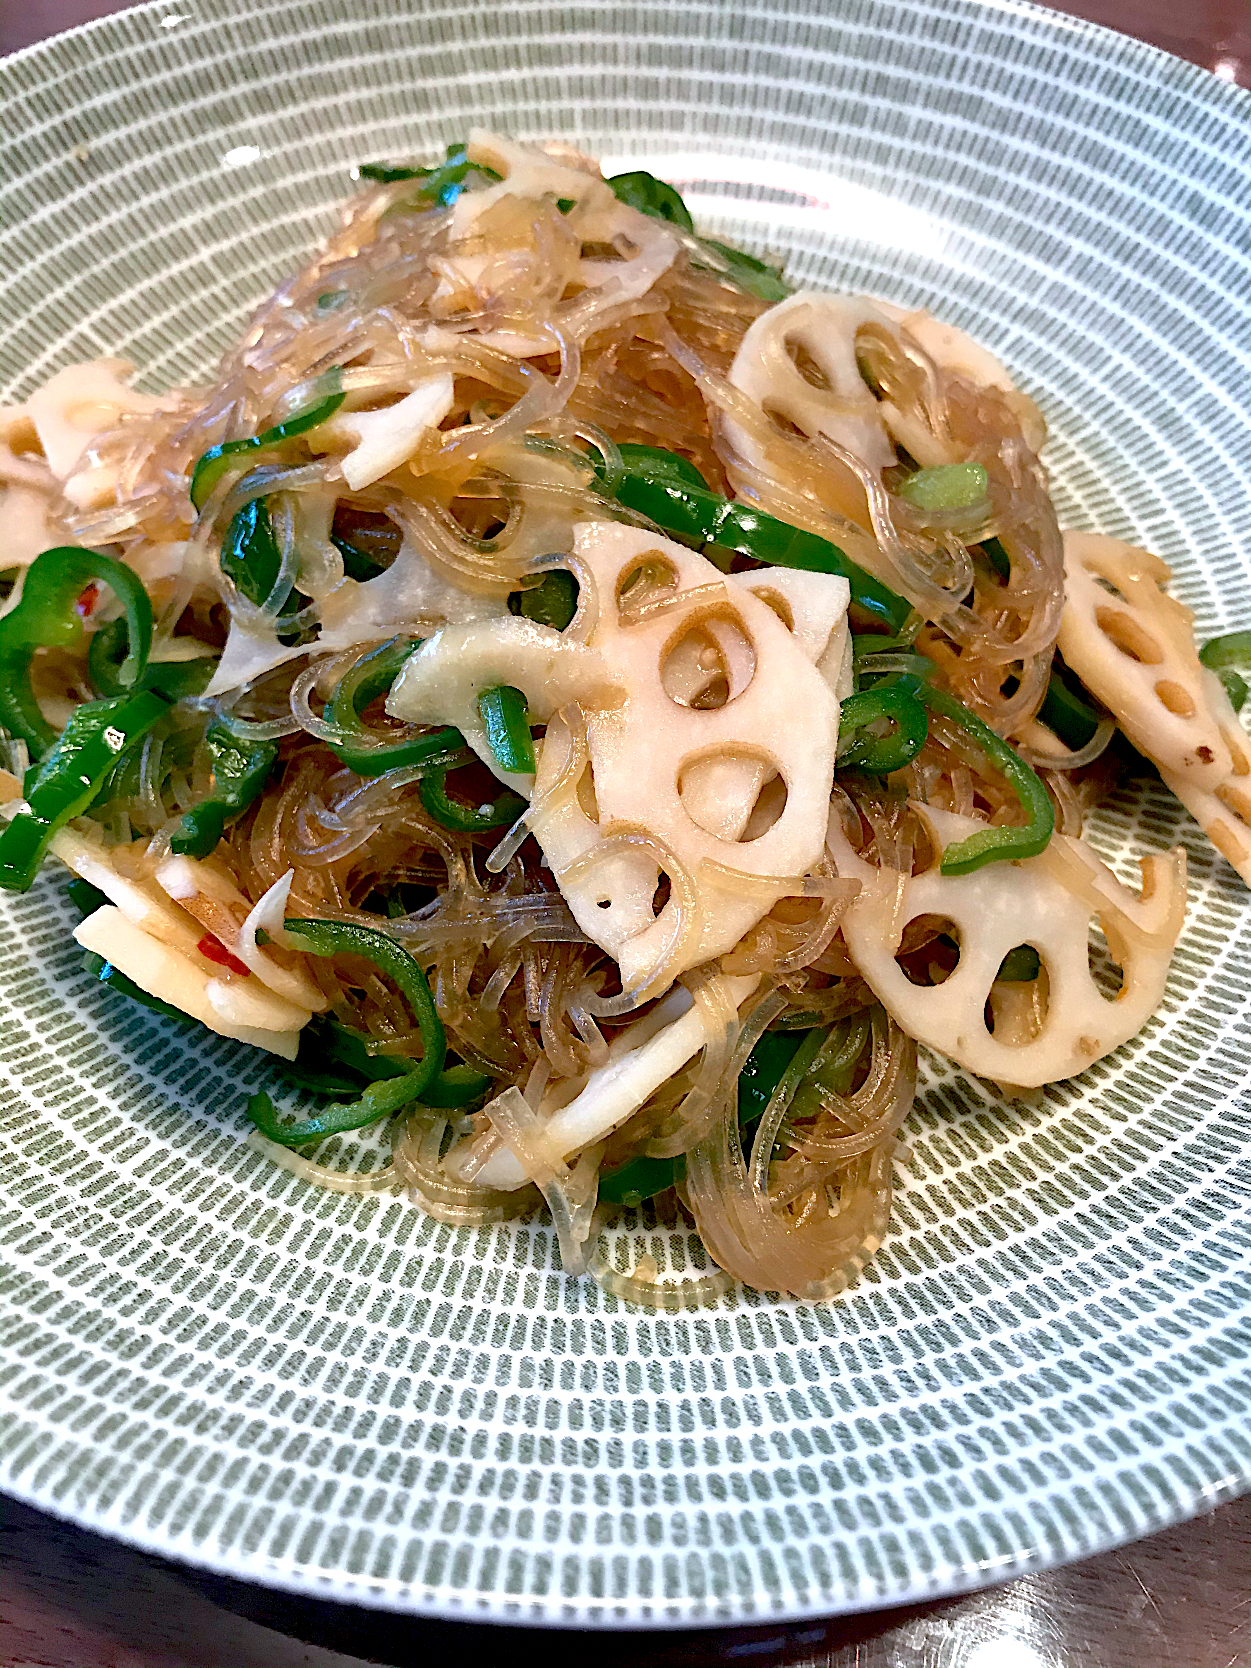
point(648, 579)
point(733, 792)
point(1125, 633)
point(1175, 698)
point(929, 951)
point(709, 663)
point(778, 603)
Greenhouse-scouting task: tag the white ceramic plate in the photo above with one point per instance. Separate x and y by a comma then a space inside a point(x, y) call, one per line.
point(338, 1394)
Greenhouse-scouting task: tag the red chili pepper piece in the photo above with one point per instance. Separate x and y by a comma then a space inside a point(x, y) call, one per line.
point(87, 600)
point(213, 949)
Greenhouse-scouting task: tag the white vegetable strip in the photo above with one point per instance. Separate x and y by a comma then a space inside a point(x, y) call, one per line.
point(269, 914)
point(613, 1092)
point(387, 438)
point(252, 1016)
point(140, 901)
point(217, 903)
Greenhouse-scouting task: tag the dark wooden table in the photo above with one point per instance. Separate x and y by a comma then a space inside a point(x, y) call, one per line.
point(71, 1599)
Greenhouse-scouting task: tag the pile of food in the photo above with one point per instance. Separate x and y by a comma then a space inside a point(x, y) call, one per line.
point(562, 692)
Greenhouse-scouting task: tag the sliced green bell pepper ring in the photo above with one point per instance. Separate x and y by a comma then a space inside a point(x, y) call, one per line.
point(702, 518)
point(658, 464)
point(638, 1179)
point(217, 460)
point(114, 979)
point(372, 676)
point(748, 272)
point(506, 719)
point(758, 1079)
point(1066, 715)
point(458, 814)
point(1236, 687)
point(379, 1100)
point(389, 173)
point(240, 770)
point(455, 1087)
point(174, 679)
point(334, 1058)
point(387, 1094)
point(85, 897)
point(358, 564)
point(48, 616)
point(993, 845)
point(69, 779)
point(948, 486)
point(1222, 655)
point(860, 747)
point(552, 602)
point(250, 555)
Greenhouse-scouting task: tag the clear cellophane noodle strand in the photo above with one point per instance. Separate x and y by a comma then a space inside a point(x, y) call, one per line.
point(693, 1116)
point(644, 1288)
point(419, 1142)
point(385, 1179)
point(814, 1245)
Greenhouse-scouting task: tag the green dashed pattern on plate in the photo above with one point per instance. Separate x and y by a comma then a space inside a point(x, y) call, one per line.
point(1049, 1354)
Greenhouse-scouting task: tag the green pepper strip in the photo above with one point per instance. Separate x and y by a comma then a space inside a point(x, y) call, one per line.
point(358, 564)
point(552, 602)
point(1066, 715)
point(216, 461)
point(85, 897)
point(47, 617)
point(250, 555)
point(240, 770)
point(441, 184)
point(335, 1059)
point(174, 679)
point(1222, 655)
point(372, 676)
point(859, 748)
point(68, 780)
point(461, 816)
point(387, 1094)
point(638, 1179)
point(506, 720)
point(703, 518)
point(379, 1100)
point(114, 979)
point(643, 191)
point(665, 466)
point(992, 845)
point(747, 272)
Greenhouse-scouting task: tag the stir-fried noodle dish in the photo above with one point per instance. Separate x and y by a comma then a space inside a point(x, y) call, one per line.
point(594, 711)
